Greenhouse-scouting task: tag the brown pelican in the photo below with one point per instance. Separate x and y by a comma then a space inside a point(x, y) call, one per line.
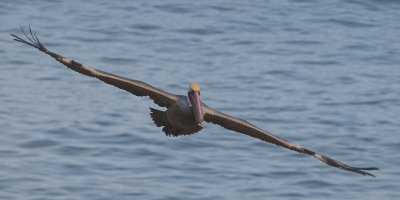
point(184, 115)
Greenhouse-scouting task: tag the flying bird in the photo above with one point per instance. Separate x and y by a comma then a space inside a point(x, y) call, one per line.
point(184, 114)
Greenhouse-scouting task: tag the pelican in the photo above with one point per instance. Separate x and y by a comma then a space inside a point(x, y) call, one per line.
point(184, 115)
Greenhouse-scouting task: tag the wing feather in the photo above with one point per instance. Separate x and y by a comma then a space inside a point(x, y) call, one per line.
point(242, 126)
point(138, 88)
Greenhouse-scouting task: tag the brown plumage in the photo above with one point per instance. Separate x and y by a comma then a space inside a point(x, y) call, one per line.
point(184, 114)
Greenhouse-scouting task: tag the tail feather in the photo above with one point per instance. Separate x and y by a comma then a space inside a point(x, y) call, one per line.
point(159, 117)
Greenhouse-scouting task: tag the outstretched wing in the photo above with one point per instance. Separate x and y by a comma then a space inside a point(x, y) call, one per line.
point(245, 127)
point(138, 88)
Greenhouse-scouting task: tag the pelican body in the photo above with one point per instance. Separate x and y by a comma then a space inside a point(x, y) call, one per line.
point(184, 115)
point(179, 118)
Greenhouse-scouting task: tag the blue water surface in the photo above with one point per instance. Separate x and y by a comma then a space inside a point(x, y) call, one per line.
point(324, 74)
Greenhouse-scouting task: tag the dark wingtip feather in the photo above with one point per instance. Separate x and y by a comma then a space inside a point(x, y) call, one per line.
point(369, 168)
point(364, 173)
point(360, 170)
point(31, 39)
point(334, 163)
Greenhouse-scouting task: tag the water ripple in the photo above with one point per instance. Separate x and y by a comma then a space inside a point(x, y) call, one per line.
point(116, 60)
point(318, 63)
point(346, 23)
point(314, 183)
point(39, 143)
point(73, 150)
point(175, 8)
point(199, 31)
point(145, 27)
point(303, 42)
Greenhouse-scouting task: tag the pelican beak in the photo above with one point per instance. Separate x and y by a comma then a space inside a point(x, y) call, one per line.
point(194, 98)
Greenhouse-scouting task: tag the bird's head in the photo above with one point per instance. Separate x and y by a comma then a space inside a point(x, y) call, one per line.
point(194, 87)
point(194, 98)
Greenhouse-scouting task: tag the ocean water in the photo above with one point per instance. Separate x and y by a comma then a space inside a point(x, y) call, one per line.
point(325, 75)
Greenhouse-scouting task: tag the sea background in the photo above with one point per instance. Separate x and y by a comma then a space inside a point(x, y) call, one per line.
point(323, 74)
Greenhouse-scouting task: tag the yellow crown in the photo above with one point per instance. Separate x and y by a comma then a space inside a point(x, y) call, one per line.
point(194, 87)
